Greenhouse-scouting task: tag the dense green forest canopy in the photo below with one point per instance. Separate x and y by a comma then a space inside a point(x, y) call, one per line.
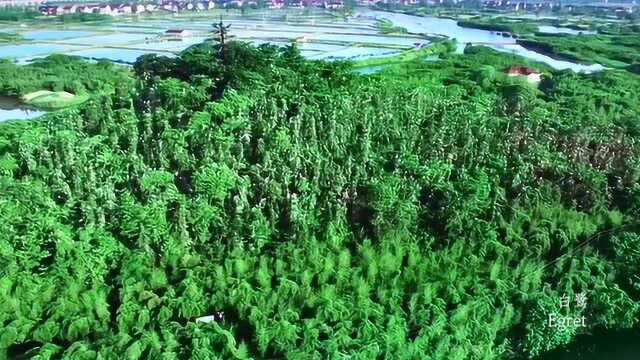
point(62, 73)
point(437, 210)
point(617, 50)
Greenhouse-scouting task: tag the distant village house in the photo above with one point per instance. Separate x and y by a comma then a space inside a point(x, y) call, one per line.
point(531, 75)
point(177, 33)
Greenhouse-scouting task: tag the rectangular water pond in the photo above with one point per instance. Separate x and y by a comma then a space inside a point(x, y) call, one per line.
point(25, 50)
point(355, 53)
point(12, 109)
point(55, 34)
point(110, 39)
point(310, 46)
point(171, 44)
point(370, 39)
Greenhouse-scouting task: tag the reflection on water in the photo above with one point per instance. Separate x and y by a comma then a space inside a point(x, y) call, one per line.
point(12, 109)
point(109, 39)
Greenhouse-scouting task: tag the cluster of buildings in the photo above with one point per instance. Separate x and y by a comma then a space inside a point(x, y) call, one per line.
point(518, 5)
point(116, 9)
point(532, 75)
point(106, 9)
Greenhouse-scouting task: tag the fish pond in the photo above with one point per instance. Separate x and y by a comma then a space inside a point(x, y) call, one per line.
point(319, 35)
point(12, 109)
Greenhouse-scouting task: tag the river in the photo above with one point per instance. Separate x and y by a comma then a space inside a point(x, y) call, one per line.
point(451, 29)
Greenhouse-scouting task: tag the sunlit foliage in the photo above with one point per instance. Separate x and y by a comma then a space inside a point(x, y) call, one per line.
point(438, 210)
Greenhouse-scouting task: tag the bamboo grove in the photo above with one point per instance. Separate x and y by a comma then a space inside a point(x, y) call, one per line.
point(437, 210)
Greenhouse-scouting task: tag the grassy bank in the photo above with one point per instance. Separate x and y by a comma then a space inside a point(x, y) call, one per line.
point(386, 27)
point(9, 37)
point(51, 100)
point(618, 51)
point(500, 25)
point(18, 15)
point(409, 55)
point(59, 81)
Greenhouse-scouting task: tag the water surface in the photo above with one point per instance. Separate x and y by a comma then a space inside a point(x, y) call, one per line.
point(358, 34)
point(12, 109)
point(354, 53)
point(32, 49)
point(450, 28)
point(109, 39)
point(170, 44)
point(55, 34)
point(119, 55)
